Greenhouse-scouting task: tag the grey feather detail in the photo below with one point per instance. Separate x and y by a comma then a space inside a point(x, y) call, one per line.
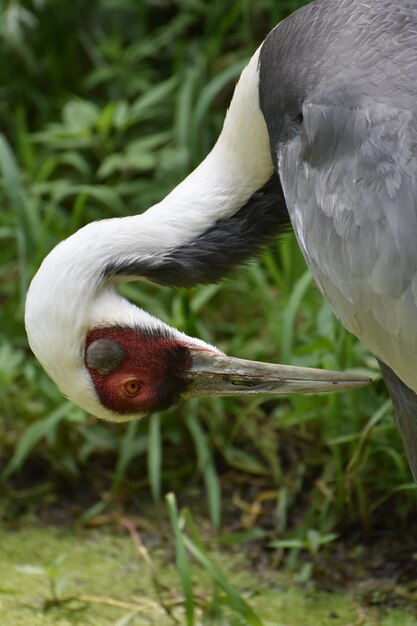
point(349, 169)
point(350, 181)
point(405, 408)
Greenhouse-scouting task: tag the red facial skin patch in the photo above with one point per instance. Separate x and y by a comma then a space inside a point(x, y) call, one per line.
point(150, 376)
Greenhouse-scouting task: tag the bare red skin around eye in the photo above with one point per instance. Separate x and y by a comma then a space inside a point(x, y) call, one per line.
point(158, 363)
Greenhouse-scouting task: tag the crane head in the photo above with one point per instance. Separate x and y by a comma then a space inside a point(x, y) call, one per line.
point(136, 371)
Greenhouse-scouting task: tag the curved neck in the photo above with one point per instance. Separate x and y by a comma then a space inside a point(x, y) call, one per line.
point(238, 165)
point(71, 292)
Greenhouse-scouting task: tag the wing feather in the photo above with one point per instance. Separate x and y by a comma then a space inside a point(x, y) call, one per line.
point(350, 183)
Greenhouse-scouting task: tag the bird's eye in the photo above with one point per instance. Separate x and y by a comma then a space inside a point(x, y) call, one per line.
point(131, 386)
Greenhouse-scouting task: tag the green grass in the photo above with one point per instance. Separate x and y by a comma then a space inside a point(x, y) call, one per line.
point(50, 576)
point(103, 123)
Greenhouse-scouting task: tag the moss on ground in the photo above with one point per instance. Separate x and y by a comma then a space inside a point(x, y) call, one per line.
point(50, 576)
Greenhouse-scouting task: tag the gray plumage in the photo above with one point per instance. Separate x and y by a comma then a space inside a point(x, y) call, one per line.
point(405, 407)
point(338, 84)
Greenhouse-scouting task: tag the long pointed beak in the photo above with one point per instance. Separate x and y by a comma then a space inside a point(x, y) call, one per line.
point(215, 374)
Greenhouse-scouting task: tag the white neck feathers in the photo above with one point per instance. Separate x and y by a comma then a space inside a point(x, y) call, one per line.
point(69, 296)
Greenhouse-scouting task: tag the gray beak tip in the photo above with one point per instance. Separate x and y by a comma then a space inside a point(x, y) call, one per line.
point(215, 374)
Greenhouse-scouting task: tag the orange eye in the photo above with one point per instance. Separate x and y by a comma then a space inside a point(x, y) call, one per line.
point(131, 386)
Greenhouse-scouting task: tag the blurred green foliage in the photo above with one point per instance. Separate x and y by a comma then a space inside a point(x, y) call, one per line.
point(104, 107)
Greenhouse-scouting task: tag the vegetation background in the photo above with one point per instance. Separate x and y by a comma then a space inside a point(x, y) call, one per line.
point(104, 107)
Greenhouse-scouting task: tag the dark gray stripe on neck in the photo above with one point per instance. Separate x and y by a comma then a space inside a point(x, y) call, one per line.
point(215, 253)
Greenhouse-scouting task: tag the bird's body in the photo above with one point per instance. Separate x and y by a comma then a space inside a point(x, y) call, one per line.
point(349, 170)
point(329, 103)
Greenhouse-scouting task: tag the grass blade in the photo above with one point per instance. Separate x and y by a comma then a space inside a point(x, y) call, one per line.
point(33, 435)
point(235, 600)
point(181, 559)
point(27, 223)
point(208, 469)
point(155, 456)
point(126, 454)
point(289, 315)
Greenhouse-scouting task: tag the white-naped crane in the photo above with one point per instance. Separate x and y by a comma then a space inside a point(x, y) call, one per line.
point(321, 133)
